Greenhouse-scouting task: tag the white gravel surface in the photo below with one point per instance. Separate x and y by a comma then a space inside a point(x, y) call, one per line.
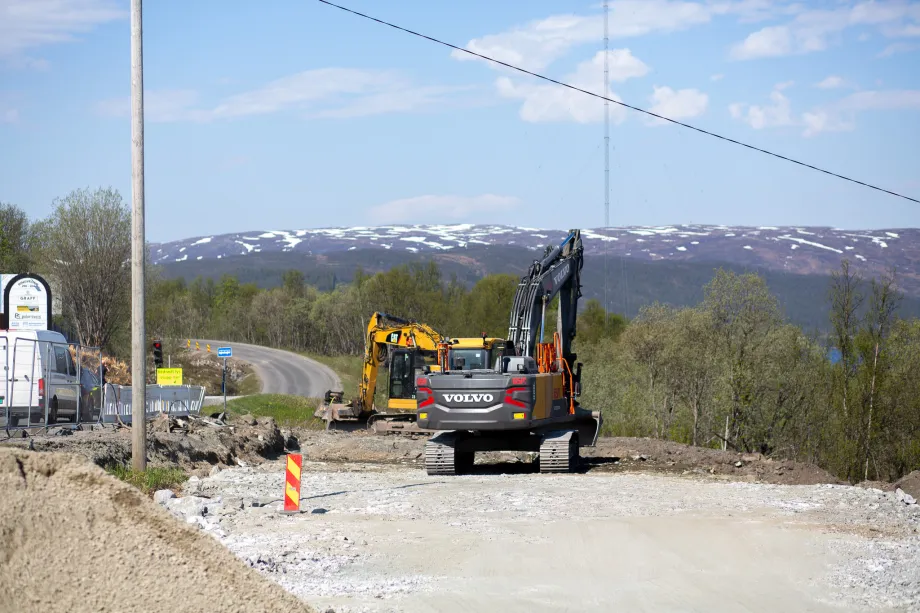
point(389, 538)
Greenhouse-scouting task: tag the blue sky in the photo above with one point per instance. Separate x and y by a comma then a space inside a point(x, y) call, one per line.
point(293, 114)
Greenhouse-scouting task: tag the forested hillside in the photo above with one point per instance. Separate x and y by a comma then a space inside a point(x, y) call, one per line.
point(631, 285)
point(730, 371)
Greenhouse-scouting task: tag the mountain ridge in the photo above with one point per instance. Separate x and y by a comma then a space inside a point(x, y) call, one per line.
point(804, 250)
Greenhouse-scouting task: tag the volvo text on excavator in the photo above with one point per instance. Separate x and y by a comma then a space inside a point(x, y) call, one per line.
point(528, 399)
point(409, 349)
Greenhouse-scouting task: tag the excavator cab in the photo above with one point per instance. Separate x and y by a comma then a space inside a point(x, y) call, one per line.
point(405, 366)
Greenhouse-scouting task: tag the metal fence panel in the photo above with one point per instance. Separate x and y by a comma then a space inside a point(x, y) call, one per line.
point(173, 400)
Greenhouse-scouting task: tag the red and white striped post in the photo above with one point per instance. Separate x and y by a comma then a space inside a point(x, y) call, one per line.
point(292, 483)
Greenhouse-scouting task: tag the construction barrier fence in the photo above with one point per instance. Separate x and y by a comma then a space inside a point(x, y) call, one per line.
point(46, 383)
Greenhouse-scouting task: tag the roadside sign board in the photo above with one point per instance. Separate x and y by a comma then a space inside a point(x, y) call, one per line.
point(169, 376)
point(225, 352)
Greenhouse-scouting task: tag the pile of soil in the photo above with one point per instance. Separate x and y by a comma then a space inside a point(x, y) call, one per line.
point(75, 539)
point(910, 484)
point(620, 453)
point(195, 444)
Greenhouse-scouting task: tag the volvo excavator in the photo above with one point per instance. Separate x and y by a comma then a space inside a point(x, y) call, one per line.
point(527, 400)
point(408, 348)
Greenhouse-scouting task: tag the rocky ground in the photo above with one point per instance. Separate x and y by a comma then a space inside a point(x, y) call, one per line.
point(648, 525)
point(384, 537)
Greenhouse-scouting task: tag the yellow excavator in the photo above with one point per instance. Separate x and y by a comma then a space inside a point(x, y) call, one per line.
point(409, 348)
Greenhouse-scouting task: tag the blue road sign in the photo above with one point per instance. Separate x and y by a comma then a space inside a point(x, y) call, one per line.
point(224, 352)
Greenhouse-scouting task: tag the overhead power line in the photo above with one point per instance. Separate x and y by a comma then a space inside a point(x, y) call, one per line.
point(623, 104)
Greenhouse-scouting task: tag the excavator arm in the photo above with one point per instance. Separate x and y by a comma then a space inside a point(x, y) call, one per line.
point(558, 273)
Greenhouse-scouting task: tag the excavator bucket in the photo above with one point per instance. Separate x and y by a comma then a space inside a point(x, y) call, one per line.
point(589, 426)
point(334, 408)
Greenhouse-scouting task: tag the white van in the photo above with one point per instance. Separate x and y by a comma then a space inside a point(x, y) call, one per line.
point(35, 365)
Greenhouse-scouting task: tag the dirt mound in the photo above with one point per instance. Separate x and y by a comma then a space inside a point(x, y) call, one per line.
point(910, 484)
point(667, 456)
point(74, 539)
point(193, 444)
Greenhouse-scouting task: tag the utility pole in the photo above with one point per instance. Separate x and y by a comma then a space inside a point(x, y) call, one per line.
point(138, 248)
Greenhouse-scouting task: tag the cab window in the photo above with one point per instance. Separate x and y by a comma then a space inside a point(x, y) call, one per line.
point(402, 376)
point(60, 360)
point(469, 359)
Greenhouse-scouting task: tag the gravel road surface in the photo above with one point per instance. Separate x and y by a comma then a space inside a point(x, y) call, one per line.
point(283, 372)
point(377, 537)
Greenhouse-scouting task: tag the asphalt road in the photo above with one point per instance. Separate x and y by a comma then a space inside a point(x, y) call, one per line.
point(283, 372)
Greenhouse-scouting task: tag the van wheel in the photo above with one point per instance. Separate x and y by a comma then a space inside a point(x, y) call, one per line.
point(52, 412)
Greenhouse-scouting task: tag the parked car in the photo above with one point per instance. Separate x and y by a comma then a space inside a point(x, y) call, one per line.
point(37, 368)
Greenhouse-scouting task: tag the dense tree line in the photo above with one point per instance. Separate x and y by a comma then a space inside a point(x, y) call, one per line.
point(730, 372)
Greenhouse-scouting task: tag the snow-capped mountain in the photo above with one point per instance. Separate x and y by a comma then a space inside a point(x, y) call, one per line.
point(793, 249)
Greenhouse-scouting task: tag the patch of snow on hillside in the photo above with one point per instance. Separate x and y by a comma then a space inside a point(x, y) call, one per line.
point(247, 245)
point(794, 246)
point(220, 256)
point(681, 248)
point(202, 241)
point(810, 243)
point(805, 232)
point(748, 247)
point(849, 247)
point(892, 235)
point(859, 257)
point(694, 242)
point(300, 232)
point(352, 248)
point(768, 228)
point(603, 237)
point(181, 250)
point(183, 258)
point(540, 236)
point(730, 234)
point(267, 235)
point(198, 258)
point(642, 232)
point(412, 249)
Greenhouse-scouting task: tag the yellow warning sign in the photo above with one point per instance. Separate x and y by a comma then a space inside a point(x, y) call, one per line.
point(169, 376)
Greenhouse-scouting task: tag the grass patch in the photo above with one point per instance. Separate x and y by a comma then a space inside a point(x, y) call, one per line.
point(150, 480)
point(288, 411)
point(347, 367)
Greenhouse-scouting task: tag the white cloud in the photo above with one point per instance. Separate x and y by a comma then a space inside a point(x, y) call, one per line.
point(717, 77)
point(777, 114)
point(680, 104)
point(441, 207)
point(895, 48)
point(783, 85)
point(537, 44)
point(324, 92)
point(29, 24)
point(838, 116)
point(816, 30)
point(831, 82)
point(557, 103)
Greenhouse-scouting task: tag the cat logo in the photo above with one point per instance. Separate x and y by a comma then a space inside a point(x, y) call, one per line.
point(394, 338)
